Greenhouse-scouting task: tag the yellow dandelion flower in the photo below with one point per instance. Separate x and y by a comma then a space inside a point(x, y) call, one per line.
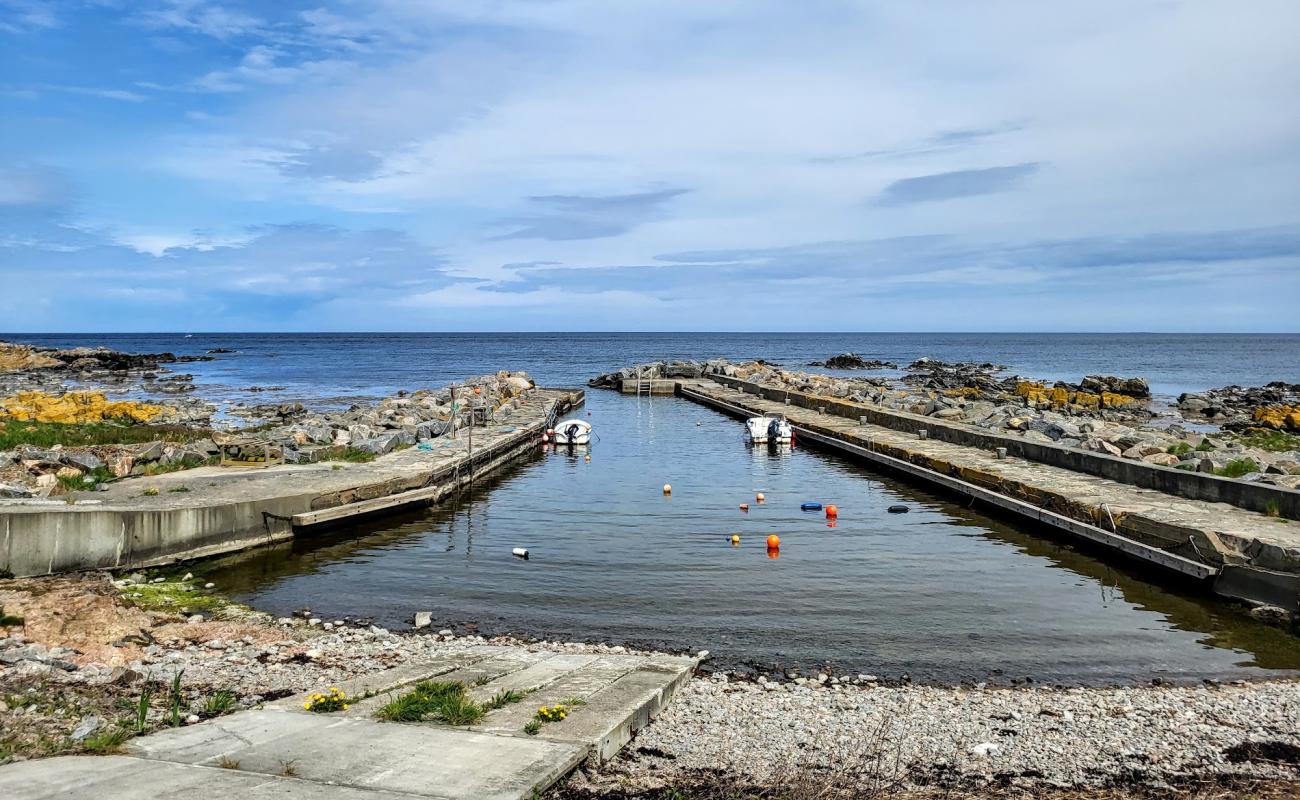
point(306, 705)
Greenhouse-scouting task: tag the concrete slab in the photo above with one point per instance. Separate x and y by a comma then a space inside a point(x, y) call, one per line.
point(581, 683)
point(364, 754)
point(612, 715)
point(126, 778)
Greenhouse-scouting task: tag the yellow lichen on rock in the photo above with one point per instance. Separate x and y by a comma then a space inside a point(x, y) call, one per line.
point(16, 357)
point(77, 407)
point(1279, 417)
point(1115, 400)
point(1034, 392)
point(1059, 396)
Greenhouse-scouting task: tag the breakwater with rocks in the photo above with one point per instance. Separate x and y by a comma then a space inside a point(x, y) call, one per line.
point(1248, 436)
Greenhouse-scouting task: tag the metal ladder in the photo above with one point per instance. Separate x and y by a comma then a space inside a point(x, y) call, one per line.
point(643, 384)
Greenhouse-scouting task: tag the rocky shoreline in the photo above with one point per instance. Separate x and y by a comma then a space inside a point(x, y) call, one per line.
point(71, 393)
point(1244, 434)
point(88, 647)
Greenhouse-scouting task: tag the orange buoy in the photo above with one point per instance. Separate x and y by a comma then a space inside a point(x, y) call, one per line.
point(735, 538)
point(832, 512)
point(668, 488)
point(759, 497)
point(744, 506)
point(774, 541)
point(478, 390)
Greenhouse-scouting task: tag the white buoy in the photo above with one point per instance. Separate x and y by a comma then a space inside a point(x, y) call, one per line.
point(522, 552)
point(668, 488)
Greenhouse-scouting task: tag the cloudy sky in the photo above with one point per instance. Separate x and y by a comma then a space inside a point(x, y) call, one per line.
point(657, 165)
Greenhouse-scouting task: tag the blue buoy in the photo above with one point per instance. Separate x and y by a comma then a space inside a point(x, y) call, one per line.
point(811, 506)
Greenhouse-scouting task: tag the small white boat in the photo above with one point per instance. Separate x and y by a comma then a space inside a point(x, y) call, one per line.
point(771, 427)
point(572, 431)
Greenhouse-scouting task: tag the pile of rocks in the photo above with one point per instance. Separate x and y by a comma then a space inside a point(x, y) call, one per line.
point(401, 420)
point(1274, 405)
point(293, 430)
point(662, 370)
point(28, 471)
point(47, 369)
point(852, 361)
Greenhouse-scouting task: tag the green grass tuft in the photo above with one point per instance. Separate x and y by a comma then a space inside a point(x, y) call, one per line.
point(353, 455)
point(533, 727)
point(503, 699)
point(48, 434)
point(1270, 441)
point(218, 703)
point(1179, 449)
point(1237, 467)
point(442, 701)
point(106, 741)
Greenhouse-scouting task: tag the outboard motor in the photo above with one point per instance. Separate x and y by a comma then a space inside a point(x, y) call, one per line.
point(774, 430)
point(571, 432)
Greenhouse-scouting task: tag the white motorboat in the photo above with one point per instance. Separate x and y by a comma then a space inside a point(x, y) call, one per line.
point(771, 427)
point(572, 431)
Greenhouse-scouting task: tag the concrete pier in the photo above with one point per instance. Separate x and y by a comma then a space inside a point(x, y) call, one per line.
point(213, 510)
point(1238, 553)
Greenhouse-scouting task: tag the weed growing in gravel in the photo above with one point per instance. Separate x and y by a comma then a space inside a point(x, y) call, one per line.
point(174, 700)
point(226, 762)
point(533, 727)
point(106, 741)
point(142, 708)
point(219, 703)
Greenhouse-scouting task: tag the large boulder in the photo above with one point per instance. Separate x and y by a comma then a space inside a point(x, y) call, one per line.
point(1133, 387)
point(385, 442)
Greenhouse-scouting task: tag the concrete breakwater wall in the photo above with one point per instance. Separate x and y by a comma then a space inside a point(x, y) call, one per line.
point(1234, 552)
point(213, 510)
point(1192, 485)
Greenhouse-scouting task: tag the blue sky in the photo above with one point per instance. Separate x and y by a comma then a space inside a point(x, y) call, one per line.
point(657, 165)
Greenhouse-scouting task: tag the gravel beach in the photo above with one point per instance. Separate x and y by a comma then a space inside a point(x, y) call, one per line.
point(1154, 736)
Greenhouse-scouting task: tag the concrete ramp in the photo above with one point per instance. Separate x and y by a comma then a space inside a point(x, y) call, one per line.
point(281, 750)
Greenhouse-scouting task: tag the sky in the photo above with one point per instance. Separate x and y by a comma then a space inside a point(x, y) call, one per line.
point(665, 165)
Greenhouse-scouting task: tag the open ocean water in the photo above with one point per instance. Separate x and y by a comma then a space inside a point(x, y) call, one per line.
point(943, 593)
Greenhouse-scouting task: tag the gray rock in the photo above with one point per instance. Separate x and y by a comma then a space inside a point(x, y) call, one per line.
point(423, 619)
point(88, 725)
point(151, 452)
point(431, 430)
point(84, 461)
point(385, 442)
point(14, 490)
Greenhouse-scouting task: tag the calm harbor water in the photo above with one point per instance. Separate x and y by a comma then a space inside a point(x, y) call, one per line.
point(942, 593)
